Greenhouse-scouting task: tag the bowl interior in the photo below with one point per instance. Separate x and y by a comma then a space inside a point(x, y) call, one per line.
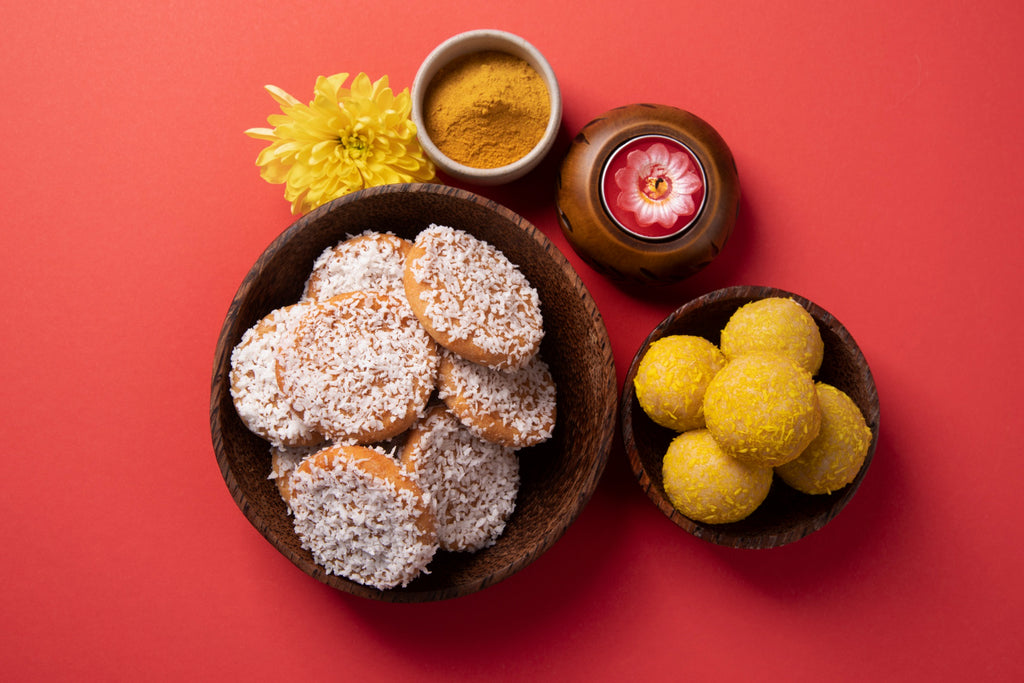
point(479, 41)
point(557, 477)
point(786, 515)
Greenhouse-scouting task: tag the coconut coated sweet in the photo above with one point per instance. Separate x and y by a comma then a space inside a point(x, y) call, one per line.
point(672, 377)
point(362, 517)
point(472, 300)
point(708, 485)
point(835, 457)
point(778, 325)
point(763, 409)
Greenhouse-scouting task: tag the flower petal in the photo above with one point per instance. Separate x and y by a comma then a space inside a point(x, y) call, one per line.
point(281, 97)
point(687, 184)
point(344, 140)
point(658, 154)
point(681, 204)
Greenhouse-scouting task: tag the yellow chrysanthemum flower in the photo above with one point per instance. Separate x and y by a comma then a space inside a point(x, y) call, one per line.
point(346, 139)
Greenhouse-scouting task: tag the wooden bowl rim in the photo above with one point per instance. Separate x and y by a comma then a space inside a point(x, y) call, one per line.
point(725, 534)
point(578, 498)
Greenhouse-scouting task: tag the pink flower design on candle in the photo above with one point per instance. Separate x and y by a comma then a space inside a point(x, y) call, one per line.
point(657, 186)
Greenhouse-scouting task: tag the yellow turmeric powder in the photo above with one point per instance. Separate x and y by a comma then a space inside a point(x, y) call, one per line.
point(486, 109)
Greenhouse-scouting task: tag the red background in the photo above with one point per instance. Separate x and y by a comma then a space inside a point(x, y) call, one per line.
point(879, 154)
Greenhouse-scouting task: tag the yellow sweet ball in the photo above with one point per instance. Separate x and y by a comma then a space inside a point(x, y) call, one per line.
point(671, 379)
point(833, 459)
point(774, 324)
point(763, 409)
point(708, 485)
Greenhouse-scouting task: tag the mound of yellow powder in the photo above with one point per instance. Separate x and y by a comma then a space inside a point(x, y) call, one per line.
point(762, 408)
point(708, 485)
point(833, 459)
point(671, 379)
point(777, 325)
point(487, 109)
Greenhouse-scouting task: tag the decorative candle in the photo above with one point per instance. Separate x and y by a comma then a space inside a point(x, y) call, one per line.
point(648, 193)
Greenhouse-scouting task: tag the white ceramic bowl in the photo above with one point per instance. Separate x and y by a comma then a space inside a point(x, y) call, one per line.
point(479, 41)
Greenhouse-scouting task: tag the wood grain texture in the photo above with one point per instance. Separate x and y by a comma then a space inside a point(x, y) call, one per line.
point(597, 238)
point(558, 477)
point(786, 515)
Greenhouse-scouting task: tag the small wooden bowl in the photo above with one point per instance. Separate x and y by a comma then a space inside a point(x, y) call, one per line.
point(786, 515)
point(557, 477)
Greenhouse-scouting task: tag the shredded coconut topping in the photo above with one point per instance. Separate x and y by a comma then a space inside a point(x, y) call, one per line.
point(370, 261)
point(472, 483)
point(355, 363)
point(360, 367)
point(515, 408)
point(468, 290)
point(359, 523)
point(283, 462)
point(254, 388)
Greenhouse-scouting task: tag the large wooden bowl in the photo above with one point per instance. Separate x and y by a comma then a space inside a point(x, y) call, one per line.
point(557, 477)
point(786, 515)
